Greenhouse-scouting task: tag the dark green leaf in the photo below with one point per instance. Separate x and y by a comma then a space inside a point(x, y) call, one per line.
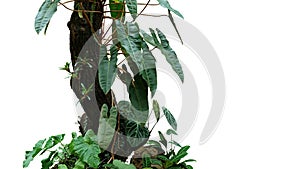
point(189, 160)
point(53, 141)
point(146, 160)
point(166, 4)
point(149, 68)
point(44, 15)
point(183, 149)
point(178, 157)
point(163, 157)
point(107, 69)
point(170, 55)
point(87, 149)
point(132, 7)
point(48, 162)
point(156, 109)
point(117, 8)
point(136, 133)
point(170, 118)
point(138, 94)
point(107, 126)
point(156, 162)
point(122, 165)
point(130, 113)
point(189, 167)
point(163, 140)
point(29, 155)
point(170, 131)
point(148, 38)
point(155, 39)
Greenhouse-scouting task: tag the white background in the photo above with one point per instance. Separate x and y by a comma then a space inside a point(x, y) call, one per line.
point(257, 42)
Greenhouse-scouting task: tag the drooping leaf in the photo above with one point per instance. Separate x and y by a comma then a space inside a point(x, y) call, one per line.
point(107, 68)
point(170, 118)
point(149, 73)
point(29, 155)
point(62, 166)
point(163, 140)
point(188, 160)
point(136, 133)
point(155, 39)
point(87, 149)
point(154, 143)
point(117, 8)
point(170, 131)
point(175, 143)
point(107, 126)
point(170, 55)
point(122, 165)
point(156, 109)
point(48, 162)
point(45, 13)
point(148, 38)
point(166, 4)
point(138, 94)
point(132, 7)
point(189, 167)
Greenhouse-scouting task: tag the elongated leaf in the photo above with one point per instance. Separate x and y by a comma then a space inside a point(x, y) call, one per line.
point(178, 157)
point(117, 8)
point(163, 140)
point(166, 4)
point(156, 109)
point(107, 126)
point(107, 69)
point(170, 55)
point(170, 118)
point(29, 155)
point(132, 7)
point(148, 38)
point(170, 131)
point(45, 14)
point(122, 165)
point(154, 143)
point(136, 133)
point(87, 149)
point(175, 143)
point(131, 41)
point(138, 94)
point(149, 73)
point(146, 161)
point(183, 149)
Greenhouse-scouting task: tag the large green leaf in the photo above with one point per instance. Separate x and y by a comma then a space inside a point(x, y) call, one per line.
point(117, 8)
point(130, 113)
point(107, 126)
point(107, 68)
point(87, 149)
point(131, 41)
point(149, 68)
point(29, 155)
point(156, 109)
point(122, 165)
point(138, 94)
point(53, 140)
point(62, 166)
point(166, 4)
point(148, 38)
point(170, 118)
point(45, 14)
point(132, 7)
point(170, 55)
point(136, 133)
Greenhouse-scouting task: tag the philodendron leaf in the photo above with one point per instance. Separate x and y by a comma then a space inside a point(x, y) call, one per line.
point(107, 68)
point(148, 38)
point(156, 109)
point(163, 140)
point(117, 8)
point(87, 149)
point(53, 140)
point(48, 162)
point(170, 55)
point(170, 131)
point(45, 14)
point(107, 126)
point(132, 7)
point(149, 72)
point(130, 113)
point(166, 4)
point(138, 94)
point(170, 118)
point(136, 133)
point(122, 165)
point(29, 155)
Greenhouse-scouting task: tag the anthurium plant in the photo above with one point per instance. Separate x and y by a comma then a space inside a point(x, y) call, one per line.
point(113, 134)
